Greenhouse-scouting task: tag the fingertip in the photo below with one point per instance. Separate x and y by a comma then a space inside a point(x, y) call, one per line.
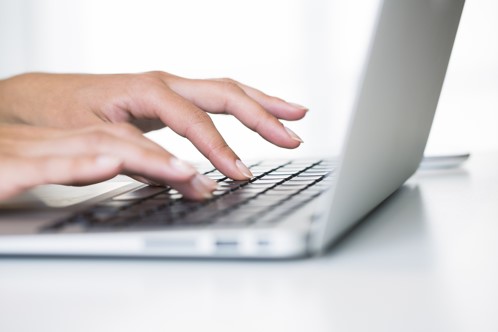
point(199, 188)
point(298, 107)
point(293, 135)
point(243, 169)
point(287, 110)
point(296, 111)
point(203, 186)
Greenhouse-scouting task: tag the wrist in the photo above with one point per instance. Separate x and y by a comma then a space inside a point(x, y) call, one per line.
point(4, 117)
point(7, 101)
point(18, 99)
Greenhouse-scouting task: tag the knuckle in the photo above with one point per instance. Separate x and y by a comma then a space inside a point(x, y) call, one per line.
point(198, 116)
point(96, 138)
point(143, 82)
point(157, 76)
point(231, 93)
point(196, 122)
point(219, 149)
point(230, 86)
point(261, 120)
point(153, 73)
point(228, 80)
point(139, 153)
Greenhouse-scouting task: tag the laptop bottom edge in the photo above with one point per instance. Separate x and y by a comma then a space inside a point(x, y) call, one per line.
point(264, 243)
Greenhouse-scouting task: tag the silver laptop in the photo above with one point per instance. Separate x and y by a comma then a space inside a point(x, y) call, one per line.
point(291, 208)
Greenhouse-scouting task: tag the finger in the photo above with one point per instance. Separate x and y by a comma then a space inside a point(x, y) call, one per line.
point(145, 159)
point(228, 97)
point(200, 187)
point(56, 170)
point(12, 134)
point(126, 132)
point(189, 121)
point(276, 106)
point(154, 163)
point(78, 170)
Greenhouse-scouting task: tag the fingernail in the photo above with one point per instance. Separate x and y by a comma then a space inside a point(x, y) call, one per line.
point(108, 161)
point(293, 135)
point(243, 169)
point(203, 185)
point(182, 167)
point(301, 107)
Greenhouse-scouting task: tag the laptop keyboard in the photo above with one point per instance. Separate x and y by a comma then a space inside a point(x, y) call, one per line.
point(277, 189)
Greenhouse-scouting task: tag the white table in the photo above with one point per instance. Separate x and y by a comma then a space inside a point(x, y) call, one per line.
point(427, 260)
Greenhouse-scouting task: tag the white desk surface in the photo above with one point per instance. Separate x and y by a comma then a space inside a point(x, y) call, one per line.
point(427, 260)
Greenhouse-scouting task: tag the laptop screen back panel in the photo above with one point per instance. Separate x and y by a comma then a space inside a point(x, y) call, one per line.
point(394, 110)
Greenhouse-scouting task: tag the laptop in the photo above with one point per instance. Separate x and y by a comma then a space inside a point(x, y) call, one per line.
point(291, 208)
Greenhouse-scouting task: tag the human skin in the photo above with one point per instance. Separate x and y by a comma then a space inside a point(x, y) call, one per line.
point(83, 129)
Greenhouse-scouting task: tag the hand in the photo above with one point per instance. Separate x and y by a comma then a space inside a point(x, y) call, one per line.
point(30, 156)
point(150, 101)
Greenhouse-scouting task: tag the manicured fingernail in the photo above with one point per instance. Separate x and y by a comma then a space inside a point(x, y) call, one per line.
point(243, 169)
point(301, 107)
point(108, 161)
point(203, 185)
point(293, 135)
point(182, 167)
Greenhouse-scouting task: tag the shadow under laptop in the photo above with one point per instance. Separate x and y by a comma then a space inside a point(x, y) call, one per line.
point(398, 228)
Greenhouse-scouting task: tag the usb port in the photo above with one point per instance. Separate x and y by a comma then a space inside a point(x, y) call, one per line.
point(227, 243)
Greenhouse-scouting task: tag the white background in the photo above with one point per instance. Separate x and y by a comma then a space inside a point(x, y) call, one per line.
point(304, 51)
